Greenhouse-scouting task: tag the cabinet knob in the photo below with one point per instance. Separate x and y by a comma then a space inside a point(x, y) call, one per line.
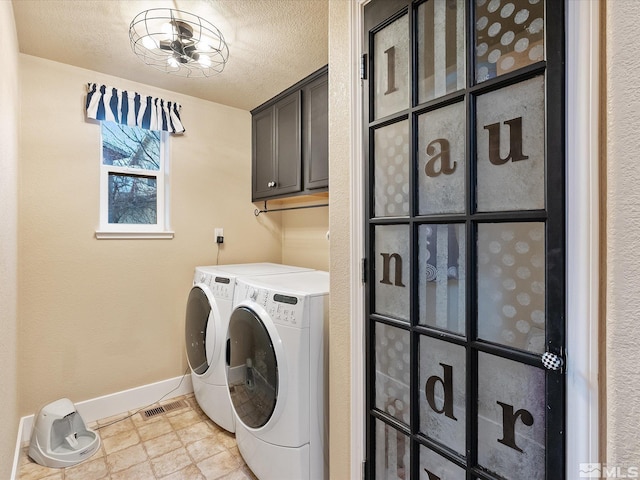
point(271, 184)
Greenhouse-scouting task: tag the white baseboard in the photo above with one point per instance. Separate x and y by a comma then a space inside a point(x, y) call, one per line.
point(16, 454)
point(113, 404)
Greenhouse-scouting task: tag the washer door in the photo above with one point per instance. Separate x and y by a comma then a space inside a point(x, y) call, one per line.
point(200, 314)
point(252, 373)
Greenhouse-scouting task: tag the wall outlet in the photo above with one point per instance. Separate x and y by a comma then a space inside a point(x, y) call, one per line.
point(219, 235)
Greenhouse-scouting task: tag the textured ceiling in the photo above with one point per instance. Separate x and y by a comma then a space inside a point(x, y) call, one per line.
point(272, 43)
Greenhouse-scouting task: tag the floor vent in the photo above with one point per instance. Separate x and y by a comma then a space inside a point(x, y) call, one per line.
point(162, 409)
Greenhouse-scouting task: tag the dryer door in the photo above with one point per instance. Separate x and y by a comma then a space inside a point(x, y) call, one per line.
point(197, 318)
point(252, 374)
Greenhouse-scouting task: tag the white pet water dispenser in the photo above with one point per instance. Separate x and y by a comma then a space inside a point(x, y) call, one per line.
point(60, 438)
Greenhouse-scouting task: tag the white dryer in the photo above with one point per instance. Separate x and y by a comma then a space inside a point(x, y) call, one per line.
point(277, 374)
point(209, 306)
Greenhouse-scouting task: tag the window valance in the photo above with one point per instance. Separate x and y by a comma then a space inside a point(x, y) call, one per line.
point(132, 109)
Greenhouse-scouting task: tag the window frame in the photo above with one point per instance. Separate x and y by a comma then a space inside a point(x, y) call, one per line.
point(161, 229)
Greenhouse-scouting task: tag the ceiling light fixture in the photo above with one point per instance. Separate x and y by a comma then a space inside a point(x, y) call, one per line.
point(178, 42)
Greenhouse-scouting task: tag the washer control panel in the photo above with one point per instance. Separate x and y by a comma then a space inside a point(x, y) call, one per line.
point(284, 309)
point(221, 287)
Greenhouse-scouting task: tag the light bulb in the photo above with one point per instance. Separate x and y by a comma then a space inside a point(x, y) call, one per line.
point(168, 30)
point(203, 47)
point(149, 43)
point(204, 60)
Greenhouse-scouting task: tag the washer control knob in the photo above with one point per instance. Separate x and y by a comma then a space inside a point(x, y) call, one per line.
point(253, 293)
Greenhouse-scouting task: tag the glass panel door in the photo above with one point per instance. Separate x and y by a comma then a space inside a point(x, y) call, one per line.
point(464, 152)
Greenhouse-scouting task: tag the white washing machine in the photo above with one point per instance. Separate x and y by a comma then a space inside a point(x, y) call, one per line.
point(277, 374)
point(209, 306)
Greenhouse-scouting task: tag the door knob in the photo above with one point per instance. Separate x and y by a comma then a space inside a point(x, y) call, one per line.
point(551, 361)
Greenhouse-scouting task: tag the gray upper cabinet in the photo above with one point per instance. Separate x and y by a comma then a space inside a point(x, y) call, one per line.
point(316, 133)
point(262, 141)
point(290, 141)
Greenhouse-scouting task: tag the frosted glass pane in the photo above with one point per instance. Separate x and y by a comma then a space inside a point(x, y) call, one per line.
point(433, 466)
point(392, 264)
point(392, 453)
point(392, 371)
point(511, 417)
point(511, 284)
point(442, 274)
point(441, 50)
point(391, 170)
point(441, 160)
point(442, 383)
point(509, 35)
point(510, 143)
point(391, 68)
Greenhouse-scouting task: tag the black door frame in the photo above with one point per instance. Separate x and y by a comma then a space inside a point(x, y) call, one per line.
point(554, 70)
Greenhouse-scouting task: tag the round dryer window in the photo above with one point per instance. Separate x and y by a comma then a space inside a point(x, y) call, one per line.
point(198, 311)
point(252, 375)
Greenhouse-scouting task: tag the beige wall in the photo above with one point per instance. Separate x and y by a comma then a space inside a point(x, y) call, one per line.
point(304, 232)
point(9, 118)
point(622, 233)
point(101, 316)
point(339, 225)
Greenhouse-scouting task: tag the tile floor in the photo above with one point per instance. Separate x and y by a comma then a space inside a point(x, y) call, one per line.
point(181, 444)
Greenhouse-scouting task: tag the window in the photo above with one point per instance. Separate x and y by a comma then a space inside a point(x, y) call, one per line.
point(133, 183)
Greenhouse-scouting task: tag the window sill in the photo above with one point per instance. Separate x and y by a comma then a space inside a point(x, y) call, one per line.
point(106, 235)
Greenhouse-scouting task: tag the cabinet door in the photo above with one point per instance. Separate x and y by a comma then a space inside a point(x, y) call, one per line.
point(288, 147)
point(262, 154)
point(316, 133)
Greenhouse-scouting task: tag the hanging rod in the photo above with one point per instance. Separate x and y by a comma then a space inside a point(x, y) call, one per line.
point(257, 212)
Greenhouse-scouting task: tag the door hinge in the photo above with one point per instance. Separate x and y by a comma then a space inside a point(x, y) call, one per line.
point(364, 272)
point(363, 67)
point(364, 470)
